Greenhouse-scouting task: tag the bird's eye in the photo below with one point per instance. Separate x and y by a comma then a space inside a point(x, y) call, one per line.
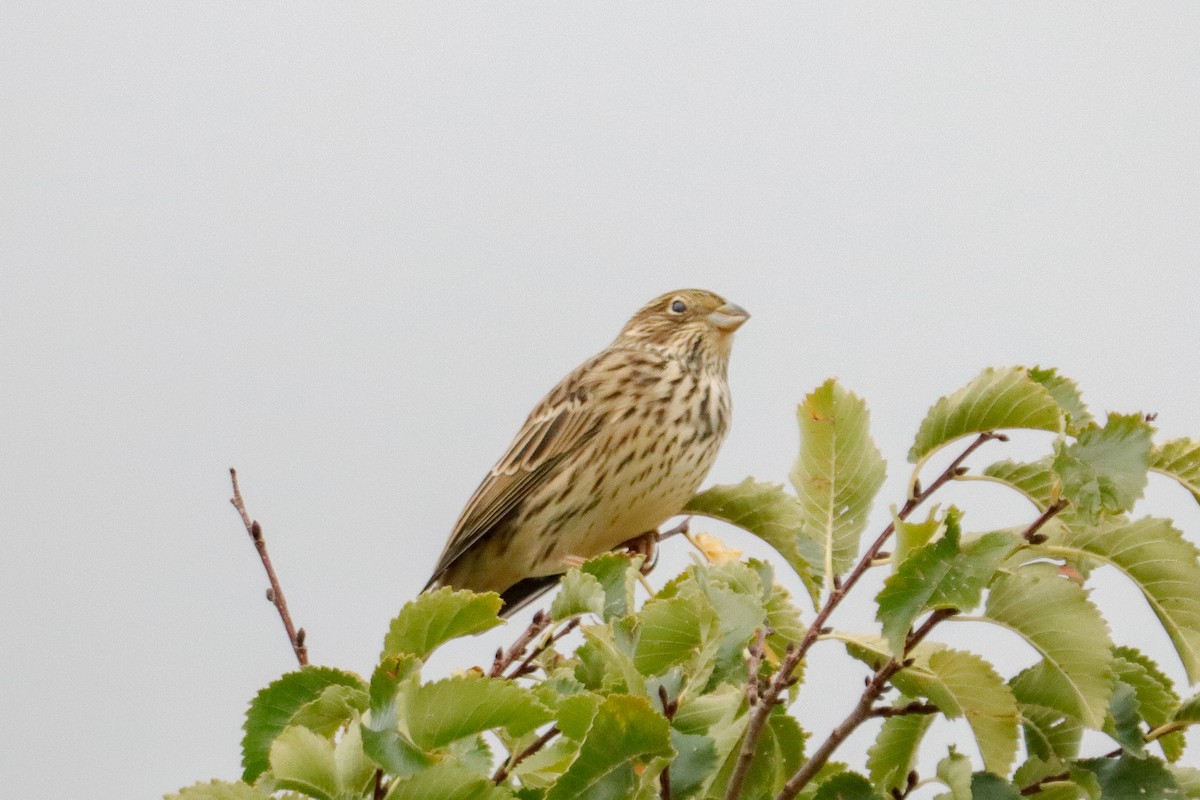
point(678, 307)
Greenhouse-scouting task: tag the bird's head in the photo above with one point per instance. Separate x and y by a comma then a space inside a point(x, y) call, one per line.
point(692, 324)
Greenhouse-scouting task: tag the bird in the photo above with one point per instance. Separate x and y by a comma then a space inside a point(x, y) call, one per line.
point(614, 450)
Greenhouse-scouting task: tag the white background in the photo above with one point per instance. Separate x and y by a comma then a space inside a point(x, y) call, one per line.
point(346, 247)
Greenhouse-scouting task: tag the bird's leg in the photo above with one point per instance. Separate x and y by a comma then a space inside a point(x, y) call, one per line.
point(645, 545)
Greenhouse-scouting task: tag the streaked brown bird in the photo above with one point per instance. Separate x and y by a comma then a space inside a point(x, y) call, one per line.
point(612, 452)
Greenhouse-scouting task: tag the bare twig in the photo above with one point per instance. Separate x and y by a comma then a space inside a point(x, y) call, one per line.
point(275, 594)
point(754, 681)
point(541, 621)
point(1037, 786)
point(511, 764)
point(380, 786)
point(526, 665)
point(669, 708)
point(783, 677)
point(1031, 534)
point(915, 707)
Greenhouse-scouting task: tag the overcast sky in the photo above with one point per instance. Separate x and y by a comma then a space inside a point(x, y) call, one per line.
point(346, 247)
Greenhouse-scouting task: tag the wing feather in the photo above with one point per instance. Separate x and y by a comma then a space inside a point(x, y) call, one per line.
point(556, 429)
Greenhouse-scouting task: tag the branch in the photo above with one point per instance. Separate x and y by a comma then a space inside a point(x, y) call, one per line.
point(538, 744)
point(783, 677)
point(526, 665)
point(541, 621)
point(1031, 534)
point(864, 709)
point(275, 594)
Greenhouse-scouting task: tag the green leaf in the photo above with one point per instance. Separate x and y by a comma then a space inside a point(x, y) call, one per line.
point(1124, 721)
point(955, 771)
point(773, 515)
point(1054, 615)
point(912, 535)
point(997, 399)
point(1188, 779)
point(275, 707)
point(625, 732)
point(837, 473)
point(1104, 470)
point(447, 781)
point(434, 618)
point(1179, 459)
point(1049, 732)
point(382, 740)
point(695, 760)
point(939, 575)
point(336, 706)
point(1160, 562)
point(440, 712)
point(894, 754)
point(580, 593)
point(968, 685)
point(672, 630)
point(617, 573)
point(220, 790)
point(1189, 710)
point(986, 786)
point(1036, 480)
point(307, 762)
point(1156, 698)
point(847, 786)
point(1066, 393)
point(1128, 777)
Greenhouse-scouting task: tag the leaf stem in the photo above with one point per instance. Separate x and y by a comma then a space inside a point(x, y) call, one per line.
point(296, 636)
point(538, 744)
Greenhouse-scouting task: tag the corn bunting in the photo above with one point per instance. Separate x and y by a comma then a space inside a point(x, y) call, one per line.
point(612, 452)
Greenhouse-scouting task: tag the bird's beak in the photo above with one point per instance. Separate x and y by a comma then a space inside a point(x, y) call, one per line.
point(728, 318)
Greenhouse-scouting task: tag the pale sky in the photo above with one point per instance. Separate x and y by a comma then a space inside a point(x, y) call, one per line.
point(346, 247)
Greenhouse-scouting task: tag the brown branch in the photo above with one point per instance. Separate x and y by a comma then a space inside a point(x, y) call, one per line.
point(526, 665)
point(1037, 786)
point(915, 707)
point(511, 764)
point(783, 677)
point(864, 709)
point(1031, 534)
point(669, 708)
point(275, 594)
point(541, 621)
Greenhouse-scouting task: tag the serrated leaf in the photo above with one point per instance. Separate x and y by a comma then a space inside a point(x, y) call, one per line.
point(1066, 393)
point(275, 707)
point(625, 732)
point(1128, 777)
point(997, 399)
point(672, 630)
point(617, 573)
point(447, 781)
point(778, 754)
point(440, 712)
point(1054, 615)
point(913, 535)
point(1160, 562)
point(894, 754)
point(971, 687)
point(939, 575)
point(309, 763)
point(1188, 779)
point(434, 618)
point(1050, 733)
point(1179, 459)
point(1124, 721)
point(382, 740)
point(773, 515)
point(1104, 470)
point(220, 790)
point(1155, 694)
point(847, 786)
point(837, 473)
point(1189, 710)
point(579, 593)
point(1037, 480)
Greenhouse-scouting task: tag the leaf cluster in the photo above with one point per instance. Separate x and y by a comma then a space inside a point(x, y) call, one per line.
point(687, 694)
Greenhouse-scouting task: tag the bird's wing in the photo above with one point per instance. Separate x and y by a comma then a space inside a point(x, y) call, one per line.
point(556, 429)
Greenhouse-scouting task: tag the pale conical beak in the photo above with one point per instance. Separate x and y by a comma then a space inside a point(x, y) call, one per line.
point(729, 317)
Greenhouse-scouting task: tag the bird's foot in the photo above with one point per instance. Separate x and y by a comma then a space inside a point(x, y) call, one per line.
point(646, 546)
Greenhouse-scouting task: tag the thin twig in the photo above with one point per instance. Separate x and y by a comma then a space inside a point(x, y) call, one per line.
point(863, 710)
point(757, 652)
point(541, 620)
point(1031, 534)
point(275, 594)
point(783, 677)
point(380, 786)
point(526, 665)
point(915, 707)
point(511, 764)
point(669, 708)
point(1037, 786)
